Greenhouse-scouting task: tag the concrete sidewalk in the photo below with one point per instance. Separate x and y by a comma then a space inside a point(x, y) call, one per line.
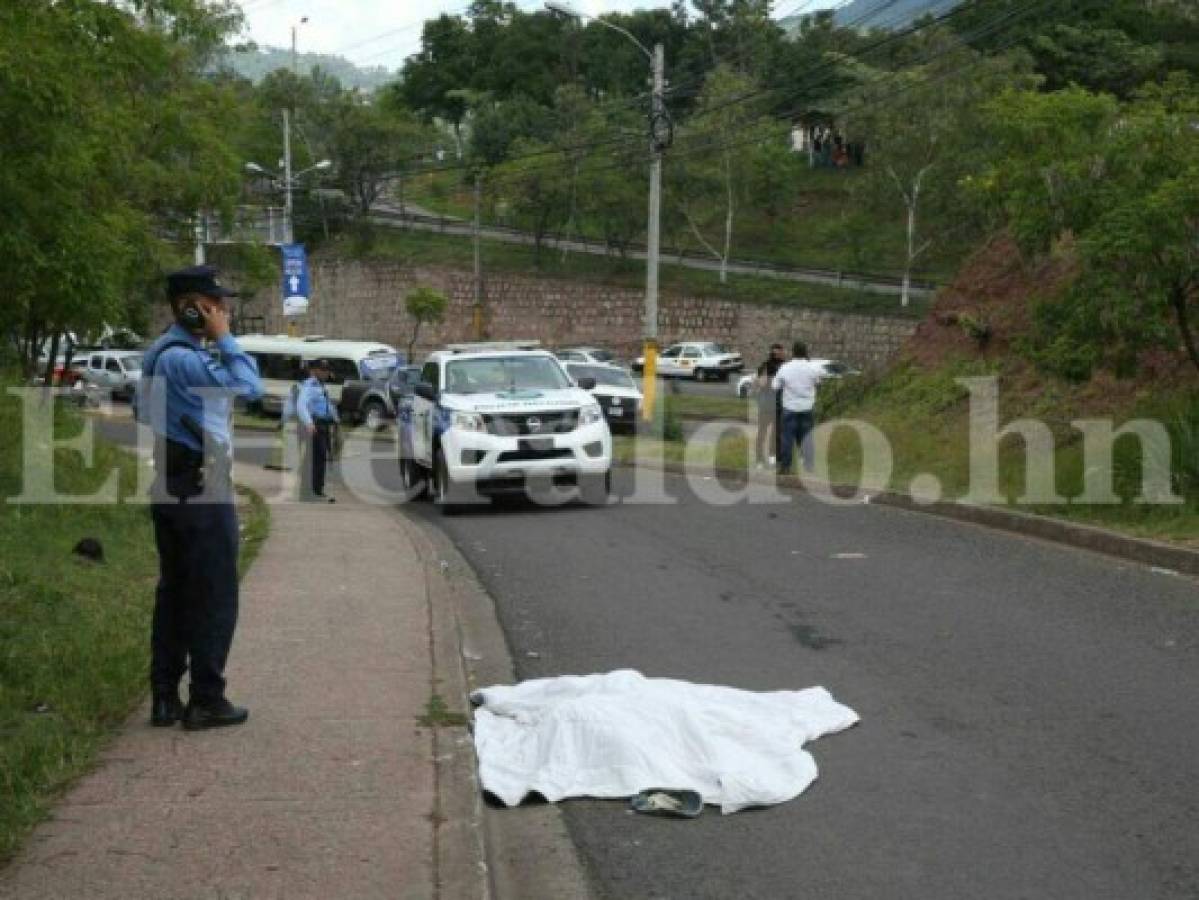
point(333, 788)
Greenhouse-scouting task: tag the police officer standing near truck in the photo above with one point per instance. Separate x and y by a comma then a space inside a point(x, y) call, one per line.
point(186, 395)
point(318, 420)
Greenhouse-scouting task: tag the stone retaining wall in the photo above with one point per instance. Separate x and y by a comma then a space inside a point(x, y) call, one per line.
point(360, 300)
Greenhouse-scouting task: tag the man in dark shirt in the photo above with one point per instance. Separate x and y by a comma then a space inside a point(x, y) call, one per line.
point(768, 407)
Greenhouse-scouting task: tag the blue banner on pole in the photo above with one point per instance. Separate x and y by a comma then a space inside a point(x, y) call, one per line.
point(295, 280)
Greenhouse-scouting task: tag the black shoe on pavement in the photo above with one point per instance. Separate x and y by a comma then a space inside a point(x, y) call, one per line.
point(166, 709)
point(213, 714)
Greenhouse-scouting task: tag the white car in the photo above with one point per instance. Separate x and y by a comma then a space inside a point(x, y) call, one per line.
point(832, 368)
point(615, 390)
point(701, 360)
point(487, 421)
point(115, 373)
point(592, 355)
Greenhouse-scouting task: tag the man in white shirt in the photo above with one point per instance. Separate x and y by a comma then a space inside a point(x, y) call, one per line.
point(797, 380)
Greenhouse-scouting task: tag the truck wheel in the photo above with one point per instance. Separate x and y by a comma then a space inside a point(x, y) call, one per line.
point(373, 415)
point(443, 487)
point(413, 480)
point(596, 490)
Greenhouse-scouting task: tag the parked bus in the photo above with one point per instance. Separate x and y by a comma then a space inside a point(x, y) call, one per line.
point(282, 361)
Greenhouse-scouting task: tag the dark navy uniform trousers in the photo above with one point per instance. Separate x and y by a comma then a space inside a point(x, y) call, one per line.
point(195, 610)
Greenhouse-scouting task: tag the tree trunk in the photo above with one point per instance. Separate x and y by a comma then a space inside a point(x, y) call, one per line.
point(33, 338)
point(403, 208)
point(1178, 299)
point(412, 343)
point(728, 221)
point(49, 374)
point(905, 296)
point(571, 225)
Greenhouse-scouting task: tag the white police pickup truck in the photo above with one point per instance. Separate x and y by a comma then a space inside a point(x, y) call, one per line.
point(485, 419)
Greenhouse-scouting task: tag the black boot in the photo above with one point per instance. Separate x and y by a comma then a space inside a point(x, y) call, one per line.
point(213, 714)
point(166, 709)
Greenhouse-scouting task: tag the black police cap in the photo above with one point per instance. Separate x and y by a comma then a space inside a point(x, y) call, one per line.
point(197, 280)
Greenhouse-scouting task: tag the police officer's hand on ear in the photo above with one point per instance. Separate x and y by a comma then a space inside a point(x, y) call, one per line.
point(216, 319)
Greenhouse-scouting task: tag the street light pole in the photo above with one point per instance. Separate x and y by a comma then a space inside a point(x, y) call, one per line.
point(659, 139)
point(303, 21)
point(653, 231)
point(288, 233)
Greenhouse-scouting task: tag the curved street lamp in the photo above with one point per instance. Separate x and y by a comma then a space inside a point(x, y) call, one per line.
point(658, 143)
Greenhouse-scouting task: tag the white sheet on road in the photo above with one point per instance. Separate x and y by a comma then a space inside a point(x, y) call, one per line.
point(616, 734)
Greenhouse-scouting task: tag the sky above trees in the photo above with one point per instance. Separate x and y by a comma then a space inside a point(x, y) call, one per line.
point(385, 33)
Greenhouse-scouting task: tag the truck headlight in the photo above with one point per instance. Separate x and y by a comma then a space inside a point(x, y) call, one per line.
point(589, 415)
point(468, 422)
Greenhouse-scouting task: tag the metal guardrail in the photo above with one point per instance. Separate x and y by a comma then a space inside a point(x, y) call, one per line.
point(694, 258)
point(250, 225)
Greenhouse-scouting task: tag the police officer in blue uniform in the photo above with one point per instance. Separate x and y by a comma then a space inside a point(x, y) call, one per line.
point(186, 396)
point(318, 418)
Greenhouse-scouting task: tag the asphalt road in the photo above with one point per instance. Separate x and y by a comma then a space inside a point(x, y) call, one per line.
point(1029, 719)
point(1029, 722)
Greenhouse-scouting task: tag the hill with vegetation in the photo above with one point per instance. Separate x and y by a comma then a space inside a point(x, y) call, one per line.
point(256, 62)
point(894, 152)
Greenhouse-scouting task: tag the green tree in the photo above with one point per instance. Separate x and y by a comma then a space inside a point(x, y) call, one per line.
point(1122, 185)
point(372, 144)
point(535, 183)
point(434, 78)
point(425, 306)
point(921, 127)
point(711, 164)
point(111, 141)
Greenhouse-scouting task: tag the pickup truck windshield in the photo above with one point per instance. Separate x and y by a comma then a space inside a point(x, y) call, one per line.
point(496, 374)
point(378, 365)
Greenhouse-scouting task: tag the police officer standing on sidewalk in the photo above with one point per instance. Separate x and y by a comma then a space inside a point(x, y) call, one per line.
point(318, 417)
point(186, 395)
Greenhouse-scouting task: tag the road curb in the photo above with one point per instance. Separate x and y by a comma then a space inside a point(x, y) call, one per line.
point(460, 860)
point(1084, 537)
point(523, 853)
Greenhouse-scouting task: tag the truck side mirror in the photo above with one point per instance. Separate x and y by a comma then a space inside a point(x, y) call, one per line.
point(587, 383)
point(425, 391)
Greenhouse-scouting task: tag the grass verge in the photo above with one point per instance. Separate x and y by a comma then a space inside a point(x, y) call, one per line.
point(924, 416)
point(699, 406)
point(73, 634)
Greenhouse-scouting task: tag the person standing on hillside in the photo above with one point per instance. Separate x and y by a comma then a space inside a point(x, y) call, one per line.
point(768, 408)
point(318, 417)
point(796, 380)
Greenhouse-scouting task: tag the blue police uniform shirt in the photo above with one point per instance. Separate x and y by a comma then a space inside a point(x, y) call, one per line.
point(314, 402)
point(196, 382)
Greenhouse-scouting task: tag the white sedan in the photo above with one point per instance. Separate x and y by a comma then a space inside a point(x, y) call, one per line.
point(700, 360)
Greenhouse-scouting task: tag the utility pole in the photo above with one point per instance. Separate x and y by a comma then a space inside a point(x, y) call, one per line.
point(288, 233)
point(659, 137)
point(478, 311)
point(303, 21)
point(200, 228)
